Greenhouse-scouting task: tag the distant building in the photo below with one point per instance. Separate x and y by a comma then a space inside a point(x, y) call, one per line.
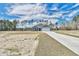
point(41, 27)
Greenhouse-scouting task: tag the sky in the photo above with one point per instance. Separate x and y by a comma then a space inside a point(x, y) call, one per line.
point(48, 11)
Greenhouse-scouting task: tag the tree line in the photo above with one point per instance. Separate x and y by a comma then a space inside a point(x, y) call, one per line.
point(6, 25)
point(69, 25)
point(74, 24)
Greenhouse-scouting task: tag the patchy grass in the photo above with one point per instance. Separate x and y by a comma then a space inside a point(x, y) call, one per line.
point(50, 47)
point(12, 49)
point(74, 33)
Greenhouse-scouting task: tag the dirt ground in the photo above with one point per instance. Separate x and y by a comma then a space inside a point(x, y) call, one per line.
point(50, 47)
point(14, 43)
point(30, 43)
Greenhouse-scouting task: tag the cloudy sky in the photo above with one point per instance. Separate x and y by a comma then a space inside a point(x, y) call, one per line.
point(27, 11)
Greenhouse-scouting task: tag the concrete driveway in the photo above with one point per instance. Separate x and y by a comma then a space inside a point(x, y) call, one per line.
point(68, 41)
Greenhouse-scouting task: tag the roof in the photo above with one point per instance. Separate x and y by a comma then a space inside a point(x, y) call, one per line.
point(41, 25)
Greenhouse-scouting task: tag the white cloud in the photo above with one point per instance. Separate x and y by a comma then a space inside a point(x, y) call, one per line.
point(74, 12)
point(35, 11)
point(64, 6)
point(69, 16)
point(36, 16)
point(63, 12)
point(57, 14)
point(27, 9)
point(74, 6)
point(54, 8)
point(32, 11)
point(53, 21)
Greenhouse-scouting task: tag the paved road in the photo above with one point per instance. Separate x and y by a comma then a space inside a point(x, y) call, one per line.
point(50, 47)
point(68, 41)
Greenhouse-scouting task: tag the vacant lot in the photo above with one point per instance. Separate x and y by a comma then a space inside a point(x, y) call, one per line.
point(74, 33)
point(30, 43)
point(18, 43)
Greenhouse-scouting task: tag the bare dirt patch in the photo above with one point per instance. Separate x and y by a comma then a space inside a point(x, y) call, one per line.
point(18, 43)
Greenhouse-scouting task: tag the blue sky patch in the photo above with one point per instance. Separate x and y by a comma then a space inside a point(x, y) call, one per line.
point(12, 11)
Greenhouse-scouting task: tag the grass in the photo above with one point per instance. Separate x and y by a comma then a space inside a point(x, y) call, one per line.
point(74, 33)
point(12, 49)
point(50, 47)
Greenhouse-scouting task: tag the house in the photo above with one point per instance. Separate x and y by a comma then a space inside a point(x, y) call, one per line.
point(41, 27)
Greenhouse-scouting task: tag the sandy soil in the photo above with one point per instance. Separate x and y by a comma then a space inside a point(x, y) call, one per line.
point(28, 43)
point(18, 43)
